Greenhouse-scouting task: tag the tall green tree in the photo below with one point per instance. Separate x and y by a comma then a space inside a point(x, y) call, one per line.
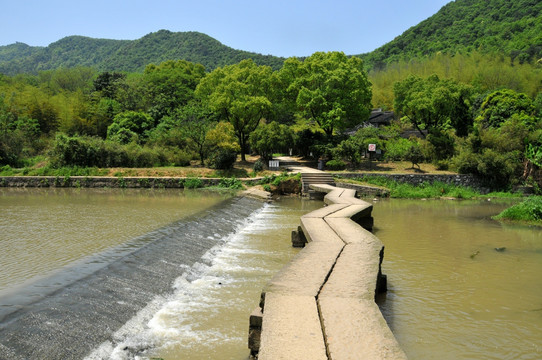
point(501, 105)
point(170, 85)
point(433, 104)
point(330, 89)
point(130, 126)
point(270, 138)
point(238, 94)
point(196, 121)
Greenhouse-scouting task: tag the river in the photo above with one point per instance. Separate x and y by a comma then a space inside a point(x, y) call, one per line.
point(149, 273)
point(460, 285)
point(141, 274)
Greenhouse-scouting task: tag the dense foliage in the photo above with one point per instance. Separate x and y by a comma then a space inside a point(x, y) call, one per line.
point(498, 27)
point(529, 211)
point(471, 111)
point(126, 55)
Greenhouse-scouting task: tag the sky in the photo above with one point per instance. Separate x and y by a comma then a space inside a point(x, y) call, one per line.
point(280, 27)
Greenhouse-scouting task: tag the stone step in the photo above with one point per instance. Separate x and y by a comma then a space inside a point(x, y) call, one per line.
point(316, 178)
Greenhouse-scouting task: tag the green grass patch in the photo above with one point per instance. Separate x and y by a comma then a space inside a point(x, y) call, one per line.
point(527, 211)
point(49, 171)
point(425, 191)
point(231, 183)
point(277, 179)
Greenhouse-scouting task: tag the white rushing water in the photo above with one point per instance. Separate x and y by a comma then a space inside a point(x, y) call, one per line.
point(206, 313)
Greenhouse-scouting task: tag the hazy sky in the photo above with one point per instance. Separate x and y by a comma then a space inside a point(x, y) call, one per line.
point(279, 27)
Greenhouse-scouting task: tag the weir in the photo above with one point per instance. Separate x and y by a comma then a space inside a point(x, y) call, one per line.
point(75, 319)
point(322, 304)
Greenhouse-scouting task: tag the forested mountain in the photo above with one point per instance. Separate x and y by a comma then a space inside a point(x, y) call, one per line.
point(126, 55)
point(504, 27)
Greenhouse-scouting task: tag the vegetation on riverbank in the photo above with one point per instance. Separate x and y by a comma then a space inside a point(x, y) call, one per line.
point(433, 190)
point(464, 110)
point(529, 211)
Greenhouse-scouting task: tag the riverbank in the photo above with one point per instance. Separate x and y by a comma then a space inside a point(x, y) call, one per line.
point(528, 212)
point(391, 179)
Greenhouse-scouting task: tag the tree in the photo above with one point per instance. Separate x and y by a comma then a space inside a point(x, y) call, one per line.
point(330, 89)
point(107, 83)
point(268, 138)
point(222, 146)
point(434, 105)
point(170, 85)
point(238, 94)
point(129, 126)
point(501, 105)
point(196, 120)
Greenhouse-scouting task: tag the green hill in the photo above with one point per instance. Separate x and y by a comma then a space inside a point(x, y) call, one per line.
point(504, 27)
point(125, 55)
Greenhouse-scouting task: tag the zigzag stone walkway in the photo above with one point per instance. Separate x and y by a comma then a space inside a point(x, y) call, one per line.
point(321, 305)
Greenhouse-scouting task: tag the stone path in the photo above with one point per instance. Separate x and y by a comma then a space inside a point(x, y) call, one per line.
point(321, 305)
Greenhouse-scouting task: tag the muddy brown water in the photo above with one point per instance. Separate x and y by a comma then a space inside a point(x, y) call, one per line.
point(461, 286)
point(451, 295)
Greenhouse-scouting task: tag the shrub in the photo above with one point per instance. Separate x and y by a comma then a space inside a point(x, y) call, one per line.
point(528, 210)
point(230, 183)
point(192, 183)
point(178, 157)
point(336, 165)
point(222, 159)
point(87, 151)
point(6, 170)
point(258, 165)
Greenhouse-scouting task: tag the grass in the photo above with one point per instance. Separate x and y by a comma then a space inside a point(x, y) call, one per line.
point(397, 167)
point(241, 169)
point(529, 211)
point(49, 171)
point(429, 190)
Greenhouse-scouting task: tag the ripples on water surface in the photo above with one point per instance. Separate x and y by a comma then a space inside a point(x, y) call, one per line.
point(451, 294)
point(126, 306)
point(441, 303)
point(206, 316)
point(42, 230)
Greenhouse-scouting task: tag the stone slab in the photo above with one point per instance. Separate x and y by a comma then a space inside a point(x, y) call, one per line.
point(325, 188)
point(351, 200)
point(355, 329)
point(291, 329)
point(355, 273)
point(318, 230)
point(325, 211)
point(306, 273)
point(353, 212)
point(255, 320)
point(348, 193)
point(350, 232)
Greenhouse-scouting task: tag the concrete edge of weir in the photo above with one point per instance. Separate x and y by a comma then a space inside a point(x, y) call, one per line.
point(321, 305)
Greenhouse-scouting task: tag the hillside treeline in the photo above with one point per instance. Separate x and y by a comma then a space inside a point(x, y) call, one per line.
point(471, 113)
point(497, 27)
point(126, 55)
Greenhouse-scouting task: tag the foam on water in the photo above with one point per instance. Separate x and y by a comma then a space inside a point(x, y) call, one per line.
point(173, 320)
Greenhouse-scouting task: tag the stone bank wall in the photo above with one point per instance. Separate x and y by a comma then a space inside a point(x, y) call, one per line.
point(105, 181)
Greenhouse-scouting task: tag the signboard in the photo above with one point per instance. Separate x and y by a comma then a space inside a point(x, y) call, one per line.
point(372, 147)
